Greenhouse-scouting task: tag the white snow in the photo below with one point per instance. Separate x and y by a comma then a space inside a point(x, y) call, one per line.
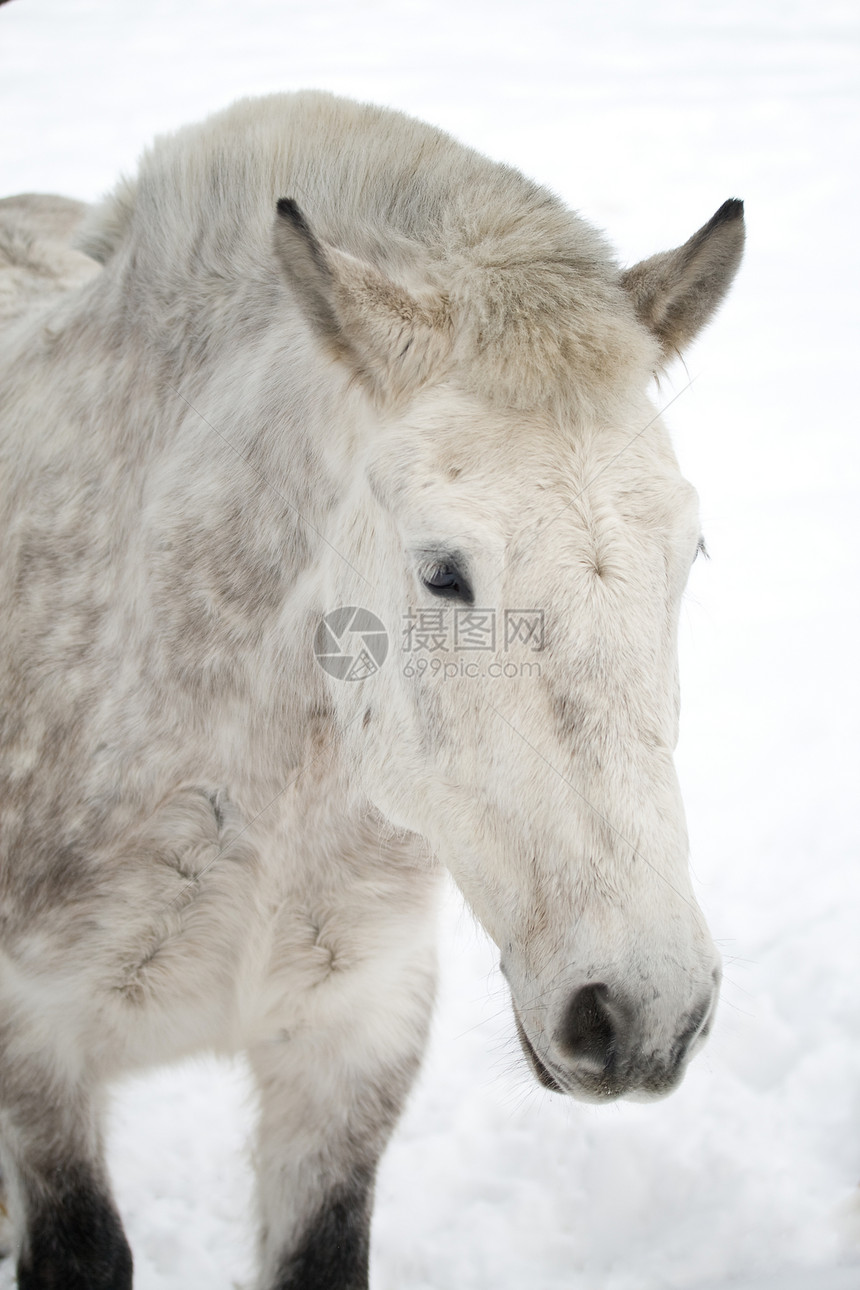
point(645, 116)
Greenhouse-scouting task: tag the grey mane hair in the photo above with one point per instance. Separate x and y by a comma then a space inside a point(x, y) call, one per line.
point(497, 246)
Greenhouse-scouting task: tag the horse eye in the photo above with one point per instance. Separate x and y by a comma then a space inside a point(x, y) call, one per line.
point(447, 580)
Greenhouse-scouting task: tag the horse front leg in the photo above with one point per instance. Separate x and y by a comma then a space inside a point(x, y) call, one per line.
point(65, 1226)
point(331, 1091)
point(6, 1242)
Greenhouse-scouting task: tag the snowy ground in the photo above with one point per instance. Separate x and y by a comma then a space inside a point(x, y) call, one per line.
point(645, 116)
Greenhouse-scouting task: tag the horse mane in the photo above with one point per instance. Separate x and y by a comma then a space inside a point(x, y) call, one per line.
point(541, 315)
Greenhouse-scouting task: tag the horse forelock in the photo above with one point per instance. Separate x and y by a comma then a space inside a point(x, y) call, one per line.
point(538, 313)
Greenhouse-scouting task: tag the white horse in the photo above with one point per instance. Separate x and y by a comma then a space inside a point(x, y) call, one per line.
point(340, 542)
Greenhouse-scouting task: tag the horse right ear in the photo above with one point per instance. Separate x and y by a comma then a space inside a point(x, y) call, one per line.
point(677, 292)
point(393, 339)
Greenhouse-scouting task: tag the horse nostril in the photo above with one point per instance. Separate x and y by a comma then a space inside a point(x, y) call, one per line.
point(589, 1030)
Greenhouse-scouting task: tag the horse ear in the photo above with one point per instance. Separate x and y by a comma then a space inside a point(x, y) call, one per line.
point(392, 338)
point(677, 292)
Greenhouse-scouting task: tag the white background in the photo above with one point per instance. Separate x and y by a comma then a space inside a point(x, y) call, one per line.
point(645, 116)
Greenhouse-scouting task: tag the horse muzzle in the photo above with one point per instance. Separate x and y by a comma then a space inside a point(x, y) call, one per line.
point(600, 1048)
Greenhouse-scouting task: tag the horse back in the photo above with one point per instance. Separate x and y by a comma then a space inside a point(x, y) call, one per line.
point(37, 260)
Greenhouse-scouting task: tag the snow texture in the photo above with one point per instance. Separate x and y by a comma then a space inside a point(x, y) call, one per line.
point(645, 117)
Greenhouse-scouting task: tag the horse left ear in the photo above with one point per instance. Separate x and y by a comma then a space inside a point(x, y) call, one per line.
point(677, 292)
point(393, 339)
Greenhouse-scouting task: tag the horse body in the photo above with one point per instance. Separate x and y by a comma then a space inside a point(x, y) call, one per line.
point(420, 388)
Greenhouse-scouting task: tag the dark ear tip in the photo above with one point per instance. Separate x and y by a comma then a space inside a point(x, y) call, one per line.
point(731, 210)
point(289, 209)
